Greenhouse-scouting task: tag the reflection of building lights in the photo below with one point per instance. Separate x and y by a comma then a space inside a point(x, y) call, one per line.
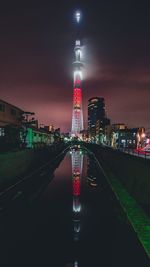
point(77, 209)
point(76, 205)
point(76, 186)
point(76, 175)
point(76, 264)
point(77, 226)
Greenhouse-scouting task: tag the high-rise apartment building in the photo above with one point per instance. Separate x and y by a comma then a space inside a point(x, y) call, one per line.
point(97, 119)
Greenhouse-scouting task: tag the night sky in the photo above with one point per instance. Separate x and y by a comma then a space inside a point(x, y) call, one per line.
point(36, 54)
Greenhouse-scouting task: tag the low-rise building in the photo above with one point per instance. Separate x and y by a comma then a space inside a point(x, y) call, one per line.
point(111, 133)
point(49, 128)
point(119, 136)
point(130, 138)
point(10, 114)
point(38, 138)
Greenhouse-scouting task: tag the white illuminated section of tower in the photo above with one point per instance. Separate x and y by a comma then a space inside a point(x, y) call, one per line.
point(77, 50)
point(78, 16)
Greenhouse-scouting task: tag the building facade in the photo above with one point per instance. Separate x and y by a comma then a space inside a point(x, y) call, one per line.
point(123, 137)
point(18, 129)
point(111, 133)
point(36, 138)
point(10, 114)
point(97, 119)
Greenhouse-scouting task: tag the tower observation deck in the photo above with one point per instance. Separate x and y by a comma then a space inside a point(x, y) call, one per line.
point(77, 113)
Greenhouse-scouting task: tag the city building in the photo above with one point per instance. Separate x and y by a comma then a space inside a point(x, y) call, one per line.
point(147, 137)
point(84, 135)
point(35, 138)
point(19, 129)
point(97, 120)
point(49, 128)
point(57, 135)
point(128, 138)
point(10, 114)
point(96, 114)
point(111, 133)
point(118, 126)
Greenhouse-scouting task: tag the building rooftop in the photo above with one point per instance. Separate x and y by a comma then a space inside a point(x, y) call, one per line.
point(4, 102)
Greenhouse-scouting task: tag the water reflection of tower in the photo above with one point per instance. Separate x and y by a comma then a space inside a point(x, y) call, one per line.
point(77, 163)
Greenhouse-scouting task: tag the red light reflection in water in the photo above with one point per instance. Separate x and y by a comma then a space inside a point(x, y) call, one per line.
point(76, 186)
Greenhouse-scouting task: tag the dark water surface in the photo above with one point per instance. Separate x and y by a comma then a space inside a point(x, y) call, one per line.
point(75, 221)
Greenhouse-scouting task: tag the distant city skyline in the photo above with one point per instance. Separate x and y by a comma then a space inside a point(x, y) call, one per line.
point(36, 59)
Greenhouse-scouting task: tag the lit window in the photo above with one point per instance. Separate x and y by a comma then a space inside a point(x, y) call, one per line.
point(2, 132)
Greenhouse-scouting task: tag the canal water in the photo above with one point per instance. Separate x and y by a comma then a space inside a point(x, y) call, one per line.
point(74, 222)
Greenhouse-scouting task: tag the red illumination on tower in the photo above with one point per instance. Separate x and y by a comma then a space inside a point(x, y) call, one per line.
point(77, 97)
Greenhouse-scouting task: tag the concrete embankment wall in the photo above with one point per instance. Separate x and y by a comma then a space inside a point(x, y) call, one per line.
point(14, 165)
point(133, 172)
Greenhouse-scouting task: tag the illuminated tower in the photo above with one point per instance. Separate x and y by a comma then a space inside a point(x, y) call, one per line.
point(77, 114)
